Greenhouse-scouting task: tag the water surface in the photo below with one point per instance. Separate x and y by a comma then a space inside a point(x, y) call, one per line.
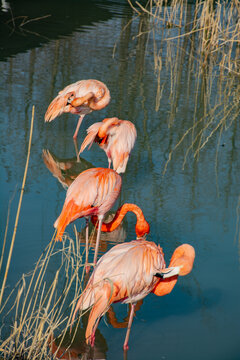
point(193, 200)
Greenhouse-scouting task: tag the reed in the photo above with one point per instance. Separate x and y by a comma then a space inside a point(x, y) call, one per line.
point(200, 43)
point(18, 213)
point(40, 305)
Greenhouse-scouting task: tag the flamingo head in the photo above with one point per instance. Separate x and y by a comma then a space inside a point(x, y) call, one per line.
point(142, 228)
point(183, 257)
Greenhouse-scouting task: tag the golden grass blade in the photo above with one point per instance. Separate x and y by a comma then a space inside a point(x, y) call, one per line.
point(19, 208)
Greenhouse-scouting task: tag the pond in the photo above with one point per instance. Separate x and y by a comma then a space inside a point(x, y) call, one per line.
point(183, 172)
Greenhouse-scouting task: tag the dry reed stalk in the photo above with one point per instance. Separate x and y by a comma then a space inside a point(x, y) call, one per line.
point(19, 208)
point(36, 308)
point(45, 308)
point(6, 229)
point(210, 41)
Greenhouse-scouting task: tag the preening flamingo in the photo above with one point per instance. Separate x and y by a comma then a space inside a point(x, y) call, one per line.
point(128, 272)
point(81, 98)
point(93, 192)
point(116, 137)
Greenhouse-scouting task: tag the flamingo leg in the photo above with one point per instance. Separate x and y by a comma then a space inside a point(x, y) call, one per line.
point(87, 247)
point(100, 218)
point(76, 150)
point(92, 338)
point(78, 125)
point(109, 163)
point(125, 345)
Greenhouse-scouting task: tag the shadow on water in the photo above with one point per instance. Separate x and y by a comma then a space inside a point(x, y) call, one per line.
point(73, 345)
point(65, 170)
point(26, 24)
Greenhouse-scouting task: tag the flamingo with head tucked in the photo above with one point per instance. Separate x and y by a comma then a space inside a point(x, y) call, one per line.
point(93, 192)
point(116, 137)
point(128, 272)
point(81, 98)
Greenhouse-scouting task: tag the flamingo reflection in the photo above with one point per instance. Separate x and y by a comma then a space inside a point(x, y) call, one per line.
point(72, 346)
point(107, 238)
point(65, 170)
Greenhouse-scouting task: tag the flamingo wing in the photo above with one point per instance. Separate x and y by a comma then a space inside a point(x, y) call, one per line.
point(58, 106)
point(117, 140)
point(132, 266)
point(93, 192)
point(121, 141)
point(92, 132)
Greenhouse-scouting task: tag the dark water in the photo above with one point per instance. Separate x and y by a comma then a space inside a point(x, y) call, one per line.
point(196, 200)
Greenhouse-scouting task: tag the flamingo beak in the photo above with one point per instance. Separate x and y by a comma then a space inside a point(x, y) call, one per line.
point(142, 237)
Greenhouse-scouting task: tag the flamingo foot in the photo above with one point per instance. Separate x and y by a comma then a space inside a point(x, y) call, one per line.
point(75, 135)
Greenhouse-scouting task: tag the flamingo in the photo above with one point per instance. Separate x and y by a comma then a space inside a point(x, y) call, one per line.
point(93, 192)
point(116, 137)
point(128, 272)
point(81, 97)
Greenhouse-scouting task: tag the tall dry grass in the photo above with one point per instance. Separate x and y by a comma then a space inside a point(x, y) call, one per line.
point(40, 306)
point(200, 42)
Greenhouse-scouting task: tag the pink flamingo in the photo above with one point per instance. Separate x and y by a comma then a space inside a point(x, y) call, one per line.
point(93, 192)
point(128, 272)
point(81, 97)
point(116, 137)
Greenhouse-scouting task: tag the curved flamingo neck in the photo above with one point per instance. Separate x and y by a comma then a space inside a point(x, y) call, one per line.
point(142, 226)
point(101, 103)
point(106, 124)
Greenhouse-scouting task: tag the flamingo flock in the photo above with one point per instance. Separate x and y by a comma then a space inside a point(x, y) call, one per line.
point(129, 271)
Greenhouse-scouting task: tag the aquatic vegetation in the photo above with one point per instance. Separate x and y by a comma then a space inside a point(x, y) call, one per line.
point(36, 306)
point(202, 41)
point(40, 305)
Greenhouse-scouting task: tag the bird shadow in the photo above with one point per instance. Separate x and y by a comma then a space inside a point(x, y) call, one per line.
point(72, 344)
point(65, 170)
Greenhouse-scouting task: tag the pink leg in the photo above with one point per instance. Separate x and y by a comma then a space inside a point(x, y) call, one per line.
point(100, 218)
point(76, 149)
point(87, 248)
point(92, 338)
point(78, 125)
point(125, 345)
